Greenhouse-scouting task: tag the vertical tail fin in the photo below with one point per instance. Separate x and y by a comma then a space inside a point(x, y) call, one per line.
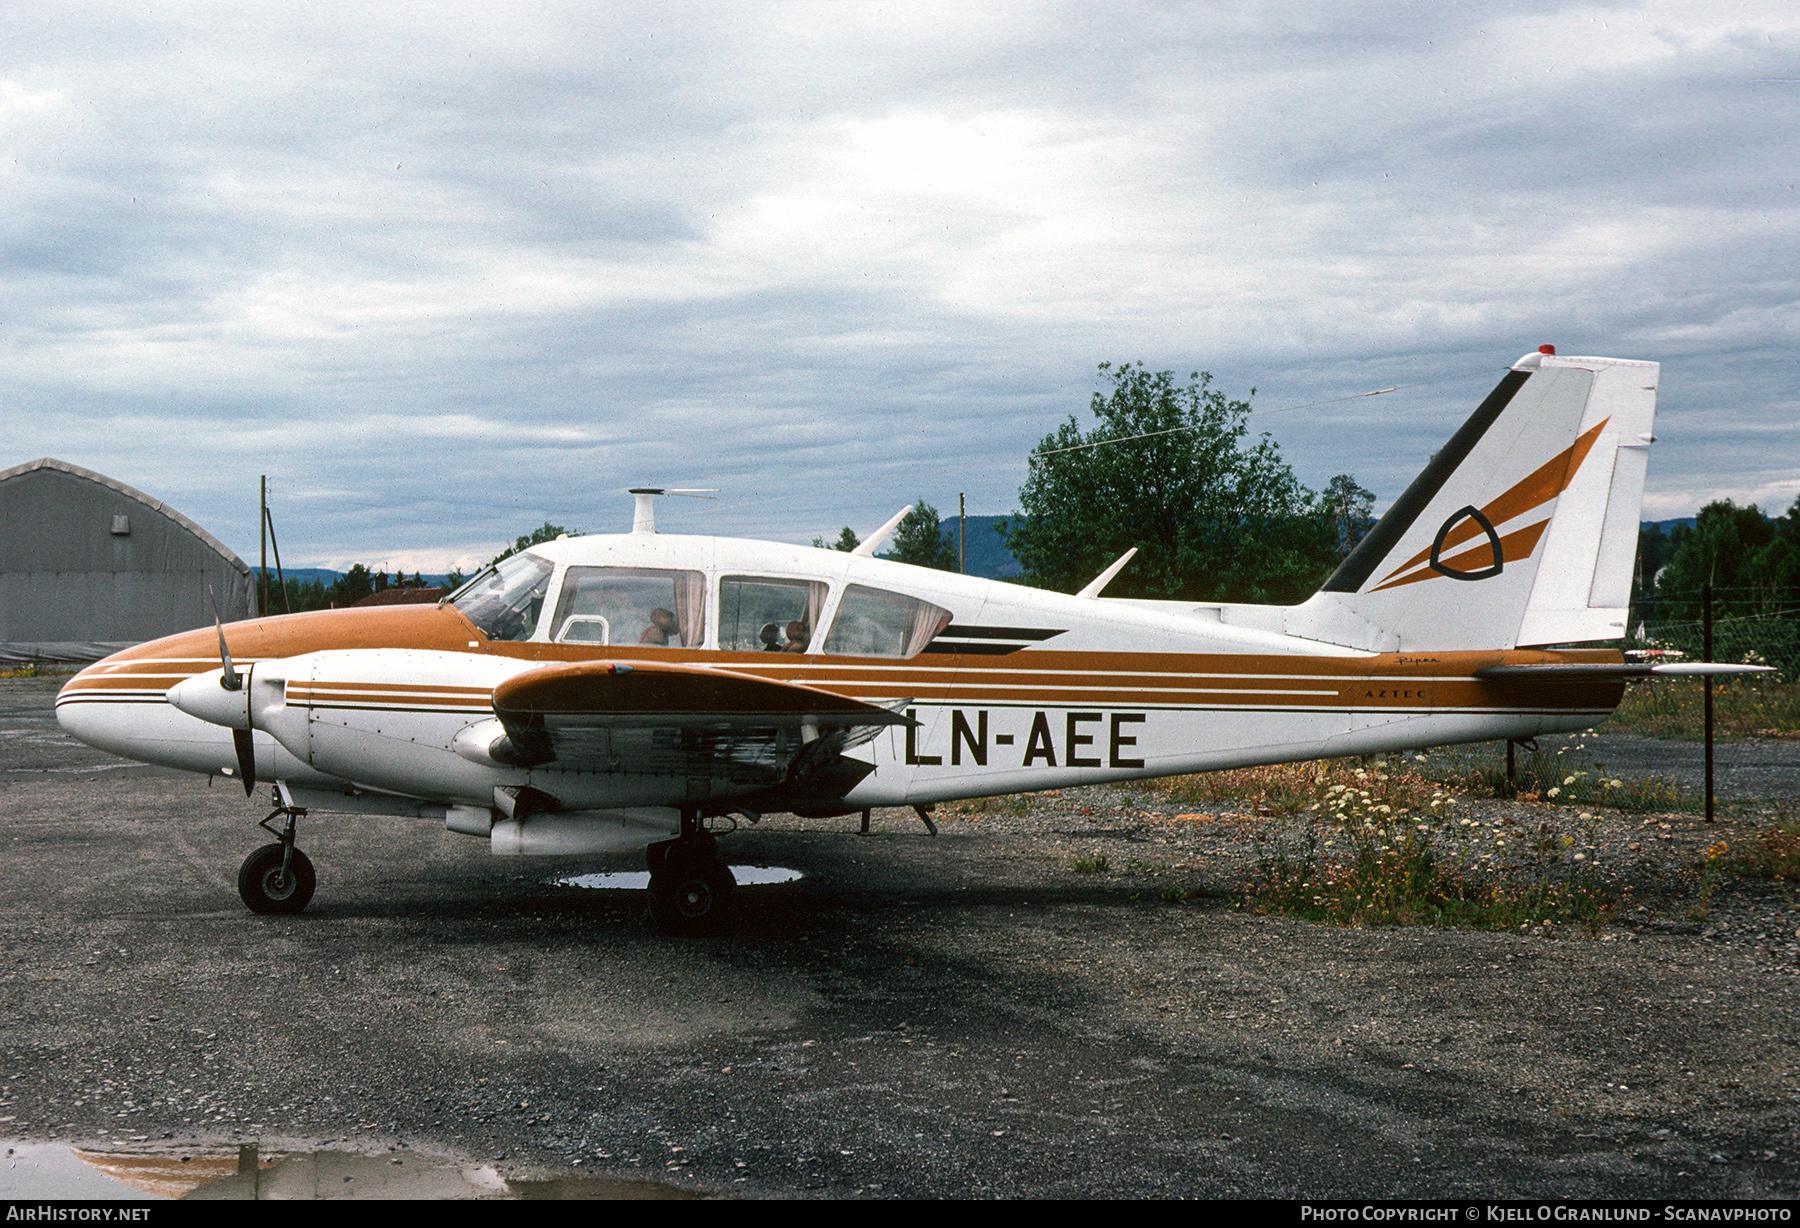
point(1521, 530)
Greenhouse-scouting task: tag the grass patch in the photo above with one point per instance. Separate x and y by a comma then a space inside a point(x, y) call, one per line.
point(1675, 708)
point(1774, 853)
point(1089, 863)
point(1564, 776)
point(1384, 844)
point(35, 669)
point(1398, 877)
point(1005, 803)
point(1326, 784)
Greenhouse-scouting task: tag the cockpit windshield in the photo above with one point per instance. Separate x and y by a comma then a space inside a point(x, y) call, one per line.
point(505, 601)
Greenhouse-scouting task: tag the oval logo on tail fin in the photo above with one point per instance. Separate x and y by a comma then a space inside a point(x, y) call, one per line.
point(1493, 541)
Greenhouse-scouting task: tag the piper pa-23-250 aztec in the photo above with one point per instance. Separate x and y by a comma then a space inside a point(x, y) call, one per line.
point(606, 693)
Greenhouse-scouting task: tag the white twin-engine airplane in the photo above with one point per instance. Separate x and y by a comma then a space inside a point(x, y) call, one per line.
point(606, 693)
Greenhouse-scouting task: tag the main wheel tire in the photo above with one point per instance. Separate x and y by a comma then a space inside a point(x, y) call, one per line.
point(265, 889)
point(694, 898)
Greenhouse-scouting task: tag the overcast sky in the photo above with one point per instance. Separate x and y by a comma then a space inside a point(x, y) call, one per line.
point(444, 272)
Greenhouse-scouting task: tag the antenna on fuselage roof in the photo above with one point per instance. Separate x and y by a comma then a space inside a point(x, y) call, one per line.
point(644, 519)
point(867, 549)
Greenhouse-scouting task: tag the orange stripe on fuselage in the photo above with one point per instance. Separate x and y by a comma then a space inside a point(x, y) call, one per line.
point(1031, 677)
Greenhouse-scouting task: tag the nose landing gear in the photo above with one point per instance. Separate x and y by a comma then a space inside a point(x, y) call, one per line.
point(277, 878)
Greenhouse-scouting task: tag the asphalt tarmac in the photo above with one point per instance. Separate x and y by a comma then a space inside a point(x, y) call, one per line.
point(959, 1016)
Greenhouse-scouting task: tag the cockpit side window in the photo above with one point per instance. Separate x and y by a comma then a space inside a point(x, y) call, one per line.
point(505, 601)
point(631, 605)
point(871, 622)
point(761, 614)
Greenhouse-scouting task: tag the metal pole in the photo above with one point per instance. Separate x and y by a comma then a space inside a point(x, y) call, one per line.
point(287, 603)
point(962, 533)
point(1707, 622)
point(262, 571)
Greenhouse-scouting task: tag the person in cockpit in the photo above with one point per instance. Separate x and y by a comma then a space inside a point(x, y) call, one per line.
point(662, 629)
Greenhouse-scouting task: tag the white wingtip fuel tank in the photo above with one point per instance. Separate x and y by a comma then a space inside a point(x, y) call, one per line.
point(610, 692)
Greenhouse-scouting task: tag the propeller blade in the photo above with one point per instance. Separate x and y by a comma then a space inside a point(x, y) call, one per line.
point(246, 758)
point(231, 680)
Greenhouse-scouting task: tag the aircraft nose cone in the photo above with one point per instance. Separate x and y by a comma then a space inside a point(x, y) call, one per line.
point(83, 713)
point(205, 698)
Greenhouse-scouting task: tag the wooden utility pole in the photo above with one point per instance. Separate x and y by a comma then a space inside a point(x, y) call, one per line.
point(962, 533)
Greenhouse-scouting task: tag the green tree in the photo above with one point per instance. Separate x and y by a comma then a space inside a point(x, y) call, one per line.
point(352, 587)
point(1352, 511)
point(1654, 549)
point(1171, 469)
point(846, 542)
point(1752, 562)
point(1773, 570)
point(302, 595)
point(546, 532)
point(1715, 551)
point(920, 539)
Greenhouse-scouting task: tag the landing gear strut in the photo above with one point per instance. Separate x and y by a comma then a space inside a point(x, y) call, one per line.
point(692, 892)
point(277, 878)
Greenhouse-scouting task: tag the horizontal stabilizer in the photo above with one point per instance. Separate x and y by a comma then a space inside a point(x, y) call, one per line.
point(1554, 671)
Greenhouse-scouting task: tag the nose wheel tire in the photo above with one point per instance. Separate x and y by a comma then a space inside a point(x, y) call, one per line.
point(266, 888)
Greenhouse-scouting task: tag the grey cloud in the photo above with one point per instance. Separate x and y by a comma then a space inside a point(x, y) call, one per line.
point(446, 273)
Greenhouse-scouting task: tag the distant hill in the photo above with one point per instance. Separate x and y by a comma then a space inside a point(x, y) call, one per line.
point(328, 577)
point(307, 575)
point(988, 555)
point(1667, 526)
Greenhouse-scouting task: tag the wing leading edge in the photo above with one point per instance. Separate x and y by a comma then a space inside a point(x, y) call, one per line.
point(663, 719)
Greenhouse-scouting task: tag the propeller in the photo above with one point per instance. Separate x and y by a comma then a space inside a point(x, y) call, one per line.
point(231, 680)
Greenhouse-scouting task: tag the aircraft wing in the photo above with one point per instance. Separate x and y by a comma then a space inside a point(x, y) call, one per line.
point(654, 718)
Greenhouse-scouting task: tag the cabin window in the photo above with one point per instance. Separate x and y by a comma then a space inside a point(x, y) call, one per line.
point(631, 605)
point(874, 623)
point(506, 600)
point(763, 615)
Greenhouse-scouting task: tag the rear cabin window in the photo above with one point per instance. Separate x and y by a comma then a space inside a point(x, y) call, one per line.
point(631, 605)
point(506, 600)
point(759, 614)
point(873, 623)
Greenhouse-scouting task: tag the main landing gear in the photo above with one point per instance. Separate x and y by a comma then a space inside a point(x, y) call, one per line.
point(692, 892)
point(277, 878)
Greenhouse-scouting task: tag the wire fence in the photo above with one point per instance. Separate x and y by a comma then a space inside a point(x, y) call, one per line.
point(1747, 709)
point(1760, 639)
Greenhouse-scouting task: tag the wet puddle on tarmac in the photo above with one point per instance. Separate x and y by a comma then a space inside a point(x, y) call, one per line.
point(243, 1173)
point(639, 880)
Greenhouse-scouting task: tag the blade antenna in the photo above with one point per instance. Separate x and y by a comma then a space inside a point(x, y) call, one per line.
point(867, 549)
point(644, 518)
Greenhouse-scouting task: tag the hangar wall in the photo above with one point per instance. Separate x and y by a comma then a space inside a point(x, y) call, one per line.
point(88, 566)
